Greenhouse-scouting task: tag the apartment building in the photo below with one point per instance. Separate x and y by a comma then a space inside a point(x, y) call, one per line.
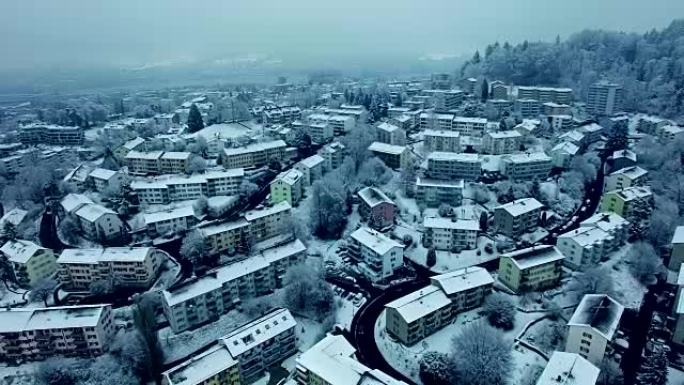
point(262, 343)
point(670, 132)
point(78, 177)
point(228, 237)
point(560, 122)
point(604, 98)
point(677, 252)
point(175, 162)
point(528, 108)
point(575, 137)
point(593, 327)
point(274, 114)
point(469, 85)
point(591, 131)
point(404, 122)
point(450, 234)
point(621, 159)
point(390, 134)
point(171, 188)
point(435, 121)
point(268, 222)
point(432, 192)
point(95, 221)
point(378, 256)
point(625, 177)
point(287, 187)
point(586, 246)
point(628, 202)
point(204, 299)
point(526, 166)
point(129, 267)
point(417, 315)
point(135, 144)
point(320, 132)
point(501, 142)
point(532, 269)
point(454, 166)
point(568, 369)
point(170, 221)
point(107, 180)
point(441, 140)
point(546, 94)
point(563, 153)
point(331, 361)
point(29, 262)
point(215, 366)
point(395, 157)
point(518, 217)
point(42, 133)
point(498, 107)
point(253, 155)
point(469, 126)
point(143, 163)
point(611, 223)
point(334, 154)
point(13, 163)
point(312, 169)
point(651, 124)
point(30, 334)
point(376, 207)
point(551, 108)
point(444, 100)
point(499, 91)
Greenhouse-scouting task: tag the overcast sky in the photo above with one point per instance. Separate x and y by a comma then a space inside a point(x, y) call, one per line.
point(130, 33)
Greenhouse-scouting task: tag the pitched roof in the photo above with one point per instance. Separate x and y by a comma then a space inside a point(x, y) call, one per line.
point(20, 251)
point(599, 312)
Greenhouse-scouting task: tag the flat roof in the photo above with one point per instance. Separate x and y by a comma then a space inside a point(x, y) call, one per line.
point(62, 317)
point(109, 254)
point(201, 367)
point(449, 223)
point(441, 133)
point(387, 148)
point(521, 206)
point(454, 156)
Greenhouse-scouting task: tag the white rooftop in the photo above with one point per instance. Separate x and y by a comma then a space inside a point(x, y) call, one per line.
point(201, 367)
point(504, 134)
point(449, 223)
point(439, 183)
point(387, 127)
point(586, 236)
point(420, 303)
point(258, 331)
point(375, 240)
point(599, 312)
point(255, 147)
point(605, 221)
point(521, 206)
point(150, 155)
point(568, 369)
point(454, 156)
point(566, 147)
point(110, 254)
point(534, 256)
point(102, 173)
point(312, 161)
point(20, 251)
point(463, 279)
point(386, 148)
point(527, 157)
point(71, 202)
point(92, 212)
point(275, 209)
point(179, 212)
point(373, 196)
point(23, 319)
point(223, 227)
point(632, 172)
point(678, 236)
point(441, 133)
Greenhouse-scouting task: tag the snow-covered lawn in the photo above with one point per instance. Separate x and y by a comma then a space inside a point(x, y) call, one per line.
point(448, 261)
point(346, 310)
point(406, 359)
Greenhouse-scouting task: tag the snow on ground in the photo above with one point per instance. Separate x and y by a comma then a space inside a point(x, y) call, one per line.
point(18, 375)
point(308, 332)
point(406, 359)
point(491, 162)
point(171, 270)
point(346, 309)
point(448, 261)
point(11, 298)
point(675, 376)
point(628, 290)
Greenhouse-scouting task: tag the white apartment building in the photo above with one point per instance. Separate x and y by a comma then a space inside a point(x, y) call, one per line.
point(228, 237)
point(625, 177)
point(562, 154)
point(395, 157)
point(320, 132)
point(527, 166)
point(546, 94)
point(269, 222)
point(253, 155)
point(501, 142)
point(604, 98)
point(441, 140)
point(568, 369)
point(29, 262)
point(454, 166)
point(342, 123)
point(312, 168)
point(670, 132)
point(171, 188)
point(528, 108)
point(378, 255)
point(551, 108)
point(130, 267)
point(36, 333)
point(333, 153)
point(518, 217)
point(175, 162)
point(432, 192)
point(435, 121)
point(586, 246)
point(469, 126)
point(262, 343)
point(204, 299)
point(95, 221)
point(444, 100)
point(107, 180)
point(651, 124)
point(450, 234)
point(331, 361)
point(390, 134)
point(214, 366)
point(143, 163)
point(170, 221)
point(613, 224)
point(593, 326)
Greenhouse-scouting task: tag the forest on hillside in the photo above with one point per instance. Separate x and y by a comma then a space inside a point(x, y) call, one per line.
point(650, 66)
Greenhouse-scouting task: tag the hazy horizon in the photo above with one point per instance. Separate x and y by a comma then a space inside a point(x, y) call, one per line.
point(72, 34)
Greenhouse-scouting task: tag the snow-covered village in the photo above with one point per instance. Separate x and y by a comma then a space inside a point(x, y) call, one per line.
point(511, 214)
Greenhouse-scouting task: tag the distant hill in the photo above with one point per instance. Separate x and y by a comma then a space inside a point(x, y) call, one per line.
point(649, 66)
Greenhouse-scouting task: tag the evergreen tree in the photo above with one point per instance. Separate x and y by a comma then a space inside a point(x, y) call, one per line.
point(485, 90)
point(195, 122)
point(476, 58)
point(617, 140)
point(10, 231)
point(483, 222)
point(431, 258)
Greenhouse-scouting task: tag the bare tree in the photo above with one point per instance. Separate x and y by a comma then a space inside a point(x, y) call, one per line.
point(42, 290)
point(481, 356)
point(197, 164)
point(595, 280)
point(500, 311)
point(306, 292)
point(193, 248)
point(644, 262)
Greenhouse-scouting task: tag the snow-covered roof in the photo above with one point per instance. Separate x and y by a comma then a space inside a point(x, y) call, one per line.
point(110, 254)
point(102, 173)
point(590, 128)
point(504, 134)
point(63, 317)
point(14, 216)
point(275, 209)
point(254, 147)
point(631, 172)
point(373, 196)
point(387, 148)
point(568, 369)
point(441, 133)
point(258, 331)
point(420, 303)
point(331, 359)
point(566, 147)
point(527, 157)
point(290, 177)
point(20, 251)
point(71, 202)
point(572, 135)
point(599, 312)
point(605, 221)
point(454, 156)
point(93, 212)
point(678, 236)
point(176, 155)
point(283, 251)
point(632, 193)
point(179, 212)
point(534, 256)
point(631, 155)
point(464, 119)
point(387, 127)
point(521, 206)
point(198, 369)
point(223, 227)
point(375, 240)
point(312, 161)
point(439, 183)
point(148, 155)
point(679, 306)
point(449, 223)
point(462, 279)
point(133, 143)
point(586, 236)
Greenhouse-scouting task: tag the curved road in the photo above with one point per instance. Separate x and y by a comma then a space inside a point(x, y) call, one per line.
point(363, 323)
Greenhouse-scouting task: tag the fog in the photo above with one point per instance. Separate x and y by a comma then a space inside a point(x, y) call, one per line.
point(144, 33)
